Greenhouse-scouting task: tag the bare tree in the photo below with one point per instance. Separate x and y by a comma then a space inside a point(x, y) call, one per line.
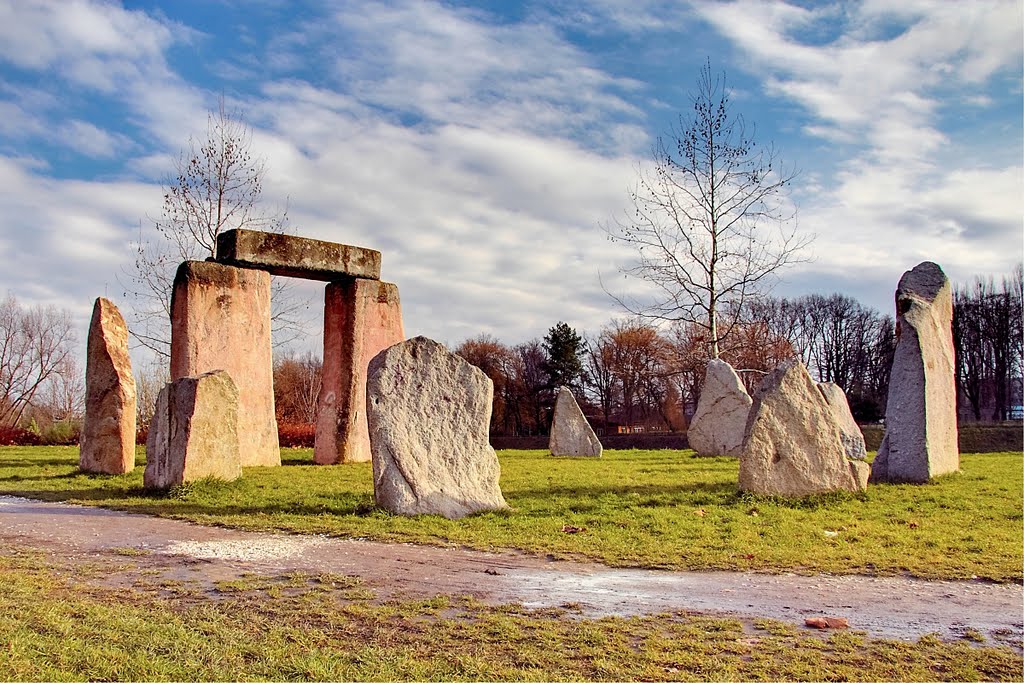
point(65, 392)
point(149, 380)
point(217, 187)
point(35, 345)
point(988, 337)
point(711, 223)
point(297, 382)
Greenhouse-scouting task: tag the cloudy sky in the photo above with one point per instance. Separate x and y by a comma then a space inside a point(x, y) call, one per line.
point(481, 145)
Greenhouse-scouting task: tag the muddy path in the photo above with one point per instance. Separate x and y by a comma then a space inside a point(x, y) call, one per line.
point(888, 607)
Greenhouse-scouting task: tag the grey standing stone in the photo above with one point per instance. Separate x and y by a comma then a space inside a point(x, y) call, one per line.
point(853, 438)
point(428, 412)
point(793, 445)
point(718, 425)
point(571, 434)
point(920, 439)
point(194, 432)
point(108, 430)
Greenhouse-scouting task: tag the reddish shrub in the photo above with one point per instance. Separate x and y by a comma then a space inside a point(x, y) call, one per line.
point(16, 436)
point(295, 434)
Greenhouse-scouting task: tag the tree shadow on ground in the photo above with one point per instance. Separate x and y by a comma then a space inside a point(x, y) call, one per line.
point(716, 489)
point(168, 503)
point(38, 462)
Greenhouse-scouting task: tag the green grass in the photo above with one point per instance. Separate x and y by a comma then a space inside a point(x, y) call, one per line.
point(663, 509)
point(57, 624)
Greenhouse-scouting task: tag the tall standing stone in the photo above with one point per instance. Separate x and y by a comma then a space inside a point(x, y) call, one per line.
point(721, 418)
point(108, 430)
point(849, 432)
point(571, 434)
point(920, 439)
point(194, 432)
point(220, 320)
point(361, 319)
point(793, 445)
point(429, 411)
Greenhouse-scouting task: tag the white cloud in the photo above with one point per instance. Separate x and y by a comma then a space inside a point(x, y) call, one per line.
point(92, 141)
point(70, 237)
point(455, 66)
point(496, 230)
point(880, 86)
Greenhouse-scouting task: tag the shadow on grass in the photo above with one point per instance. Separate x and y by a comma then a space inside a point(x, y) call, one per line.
point(174, 502)
point(814, 502)
point(48, 477)
point(721, 489)
point(38, 462)
point(72, 495)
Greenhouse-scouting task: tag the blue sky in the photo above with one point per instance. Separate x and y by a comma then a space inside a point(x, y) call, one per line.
point(480, 146)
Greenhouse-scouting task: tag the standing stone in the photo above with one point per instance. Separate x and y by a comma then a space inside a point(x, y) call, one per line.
point(920, 439)
point(108, 430)
point(571, 434)
point(718, 425)
point(429, 412)
point(220, 320)
point(793, 446)
point(361, 319)
point(194, 432)
point(853, 438)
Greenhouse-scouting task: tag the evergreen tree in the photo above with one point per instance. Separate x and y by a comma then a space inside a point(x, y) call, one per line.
point(563, 366)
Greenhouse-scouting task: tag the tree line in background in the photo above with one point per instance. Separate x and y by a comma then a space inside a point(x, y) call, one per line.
point(988, 334)
point(633, 376)
point(629, 374)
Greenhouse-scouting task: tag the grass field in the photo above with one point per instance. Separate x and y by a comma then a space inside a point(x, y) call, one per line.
point(662, 509)
point(64, 622)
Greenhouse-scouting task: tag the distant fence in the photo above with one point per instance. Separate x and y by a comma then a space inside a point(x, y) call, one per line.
point(974, 438)
point(675, 440)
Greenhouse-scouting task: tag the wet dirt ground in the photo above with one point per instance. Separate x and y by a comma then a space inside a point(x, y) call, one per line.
point(889, 607)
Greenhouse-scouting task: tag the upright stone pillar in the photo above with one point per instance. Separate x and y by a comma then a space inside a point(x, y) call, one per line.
point(194, 433)
point(718, 425)
point(361, 319)
point(920, 439)
point(220, 320)
point(108, 430)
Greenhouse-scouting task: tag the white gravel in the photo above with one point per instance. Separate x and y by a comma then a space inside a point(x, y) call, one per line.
point(254, 550)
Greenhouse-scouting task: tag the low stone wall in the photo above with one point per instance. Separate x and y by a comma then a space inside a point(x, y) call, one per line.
point(675, 440)
point(974, 438)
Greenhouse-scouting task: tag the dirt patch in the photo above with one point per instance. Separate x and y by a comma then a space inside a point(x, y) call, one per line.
point(888, 607)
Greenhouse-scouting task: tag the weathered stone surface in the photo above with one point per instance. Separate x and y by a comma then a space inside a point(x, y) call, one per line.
point(297, 256)
point(920, 439)
point(361, 319)
point(194, 432)
point(792, 445)
point(220, 320)
point(718, 425)
point(853, 438)
point(861, 472)
point(429, 412)
point(571, 434)
point(108, 430)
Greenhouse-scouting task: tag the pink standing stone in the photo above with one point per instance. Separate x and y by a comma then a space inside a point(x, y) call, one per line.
point(220, 320)
point(361, 319)
point(108, 430)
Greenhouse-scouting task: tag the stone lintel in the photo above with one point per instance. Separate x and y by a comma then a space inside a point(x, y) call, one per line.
point(293, 256)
